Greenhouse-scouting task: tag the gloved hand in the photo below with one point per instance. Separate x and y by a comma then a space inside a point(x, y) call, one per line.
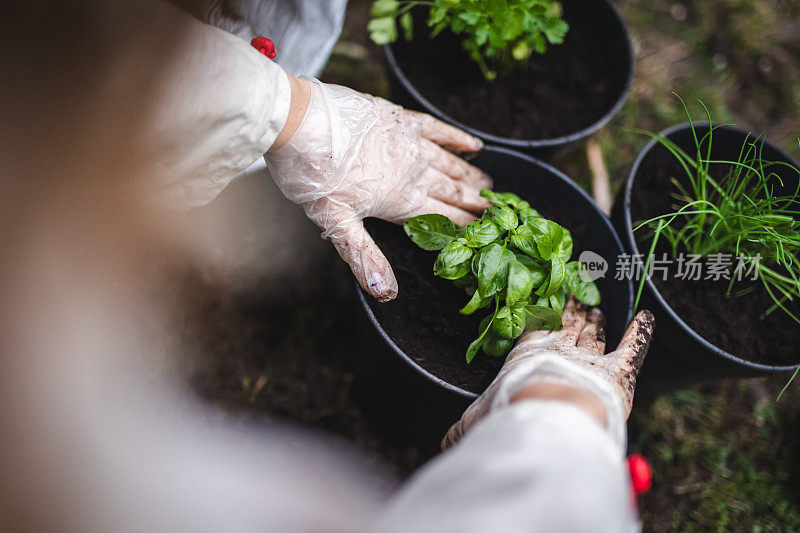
point(573, 357)
point(356, 156)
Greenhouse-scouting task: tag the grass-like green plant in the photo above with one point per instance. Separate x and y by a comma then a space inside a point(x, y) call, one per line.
point(738, 214)
point(510, 260)
point(497, 34)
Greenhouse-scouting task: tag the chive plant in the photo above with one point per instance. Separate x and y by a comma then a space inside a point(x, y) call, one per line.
point(740, 214)
point(512, 261)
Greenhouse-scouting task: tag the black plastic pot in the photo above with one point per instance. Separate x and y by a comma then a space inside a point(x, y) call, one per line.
point(416, 406)
point(602, 12)
point(678, 355)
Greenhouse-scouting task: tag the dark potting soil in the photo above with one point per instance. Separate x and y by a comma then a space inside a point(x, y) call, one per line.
point(733, 323)
point(567, 89)
point(424, 320)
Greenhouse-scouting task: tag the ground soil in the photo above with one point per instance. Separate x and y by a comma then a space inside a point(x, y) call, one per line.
point(563, 91)
point(424, 320)
point(732, 323)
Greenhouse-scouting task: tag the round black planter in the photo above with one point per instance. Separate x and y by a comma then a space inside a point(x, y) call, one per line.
point(679, 356)
point(415, 405)
point(603, 12)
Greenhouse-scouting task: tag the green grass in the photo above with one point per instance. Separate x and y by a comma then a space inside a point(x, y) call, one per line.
point(723, 459)
point(737, 56)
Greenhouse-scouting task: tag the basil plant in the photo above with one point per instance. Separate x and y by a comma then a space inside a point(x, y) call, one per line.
point(511, 261)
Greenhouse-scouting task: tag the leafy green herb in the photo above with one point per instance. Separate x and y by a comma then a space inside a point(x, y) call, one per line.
point(585, 292)
point(453, 261)
point(512, 260)
point(497, 34)
point(542, 317)
point(431, 232)
point(481, 232)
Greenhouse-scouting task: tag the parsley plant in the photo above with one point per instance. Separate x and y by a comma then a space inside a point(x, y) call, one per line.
point(497, 34)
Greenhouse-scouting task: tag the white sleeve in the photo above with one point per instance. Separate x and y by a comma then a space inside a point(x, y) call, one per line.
point(535, 465)
point(304, 31)
point(218, 108)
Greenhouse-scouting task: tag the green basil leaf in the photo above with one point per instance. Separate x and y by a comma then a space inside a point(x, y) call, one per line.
point(555, 234)
point(509, 322)
point(558, 272)
point(504, 216)
point(518, 319)
point(431, 232)
point(564, 248)
point(502, 321)
point(475, 303)
point(513, 200)
point(493, 197)
point(525, 260)
point(527, 213)
point(558, 300)
point(524, 239)
point(573, 280)
point(492, 269)
point(505, 198)
point(589, 293)
point(585, 291)
point(540, 317)
point(502, 325)
point(481, 232)
point(495, 346)
point(451, 263)
point(547, 234)
point(539, 238)
point(520, 282)
point(454, 272)
point(475, 345)
point(538, 272)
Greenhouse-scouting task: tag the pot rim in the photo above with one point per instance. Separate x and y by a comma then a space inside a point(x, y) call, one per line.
point(559, 175)
point(526, 143)
point(649, 282)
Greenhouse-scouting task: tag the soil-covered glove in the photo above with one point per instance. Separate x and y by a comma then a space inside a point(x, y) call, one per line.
point(573, 356)
point(356, 156)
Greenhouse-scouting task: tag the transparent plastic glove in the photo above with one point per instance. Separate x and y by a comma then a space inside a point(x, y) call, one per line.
point(573, 356)
point(356, 156)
